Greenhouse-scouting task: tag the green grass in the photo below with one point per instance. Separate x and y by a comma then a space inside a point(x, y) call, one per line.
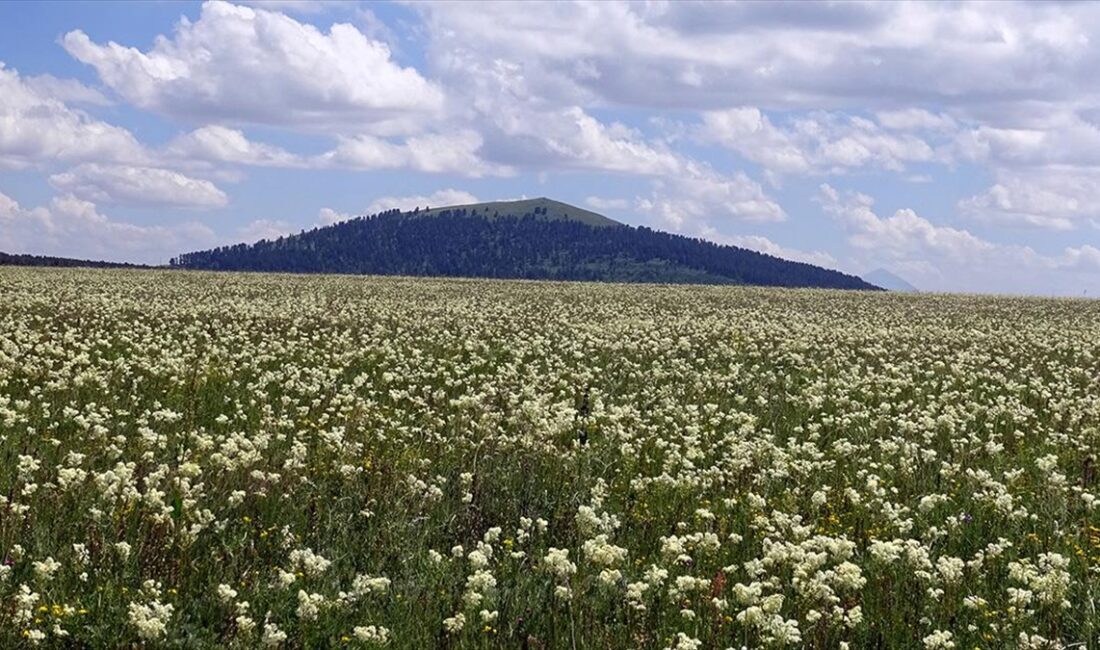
point(765, 449)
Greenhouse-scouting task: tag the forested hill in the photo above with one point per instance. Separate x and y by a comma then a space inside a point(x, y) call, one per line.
point(533, 239)
point(8, 259)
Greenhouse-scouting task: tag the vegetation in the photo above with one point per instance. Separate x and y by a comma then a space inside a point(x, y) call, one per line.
point(548, 243)
point(543, 208)
point(7, 259)
point(235, 460)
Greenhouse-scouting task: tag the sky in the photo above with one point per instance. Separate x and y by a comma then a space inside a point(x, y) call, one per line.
point(956, 145)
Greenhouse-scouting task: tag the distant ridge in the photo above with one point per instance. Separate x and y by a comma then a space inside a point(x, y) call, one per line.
point(538, 239)
point(9, 259)
point(889, 281)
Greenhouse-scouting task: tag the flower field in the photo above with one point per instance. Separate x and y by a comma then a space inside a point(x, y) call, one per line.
point(217, 460)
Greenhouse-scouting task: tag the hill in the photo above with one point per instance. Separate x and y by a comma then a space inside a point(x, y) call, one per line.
point(533, 239)
point(889, 281)
point(544, 208)
point(8, 259)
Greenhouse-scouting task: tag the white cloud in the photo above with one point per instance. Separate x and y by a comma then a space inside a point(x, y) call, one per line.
point(497, 98)
point(454, 153)
point(1051, 203)
point(71, 227)
point(242, 65)
point(1046, 175)
point(776, 55)
point(570, 138)
point(1082, 258)
point(762, 244)
point(1062, 138)
point(149, 186)
point(36, 128)
point(328, 216)
point(437, 199)
point(295, 6)
point(700, 196)
point(66, 90)
point(9, 207)
point(947, 258)
point(903, 233)
point(818, 143)
point(600, 203)
point(750, 132)
point(916, 119)
point(216, 143)
point(258, 229)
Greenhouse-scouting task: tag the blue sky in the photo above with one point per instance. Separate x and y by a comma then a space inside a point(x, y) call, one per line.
point(953, 144)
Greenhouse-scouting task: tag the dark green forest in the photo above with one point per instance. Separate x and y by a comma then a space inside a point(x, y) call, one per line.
point(460, 242)
point(8, 259)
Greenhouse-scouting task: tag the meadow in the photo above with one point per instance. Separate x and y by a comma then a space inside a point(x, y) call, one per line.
point(219, 460)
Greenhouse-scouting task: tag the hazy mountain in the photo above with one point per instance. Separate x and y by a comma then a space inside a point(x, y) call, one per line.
point(889, 281)
point(534, 239)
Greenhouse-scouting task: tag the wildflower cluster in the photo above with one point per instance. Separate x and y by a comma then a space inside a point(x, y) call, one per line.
point(218, 460)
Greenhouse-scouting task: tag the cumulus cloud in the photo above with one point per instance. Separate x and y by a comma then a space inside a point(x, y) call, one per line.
point(570, 138)
point(1046, 175)
point(1063, 138)
point(71, 227)
point(1081, 258)
point(818, 143)
point(271, 229)
point(600, 203)
point(436, 199)
point(916, 119)
point(702, 196)
point(454, 153)
point(902, 233)
point(947, 258)
point(37, 127)
point(268, 229)
point(789, 55)
point(295, 6)
point(1049, 202)
point(762, 244)
point(69, 91)
point(328, 216)
point(148, 186)
point(237, 64)
point(216, 143)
